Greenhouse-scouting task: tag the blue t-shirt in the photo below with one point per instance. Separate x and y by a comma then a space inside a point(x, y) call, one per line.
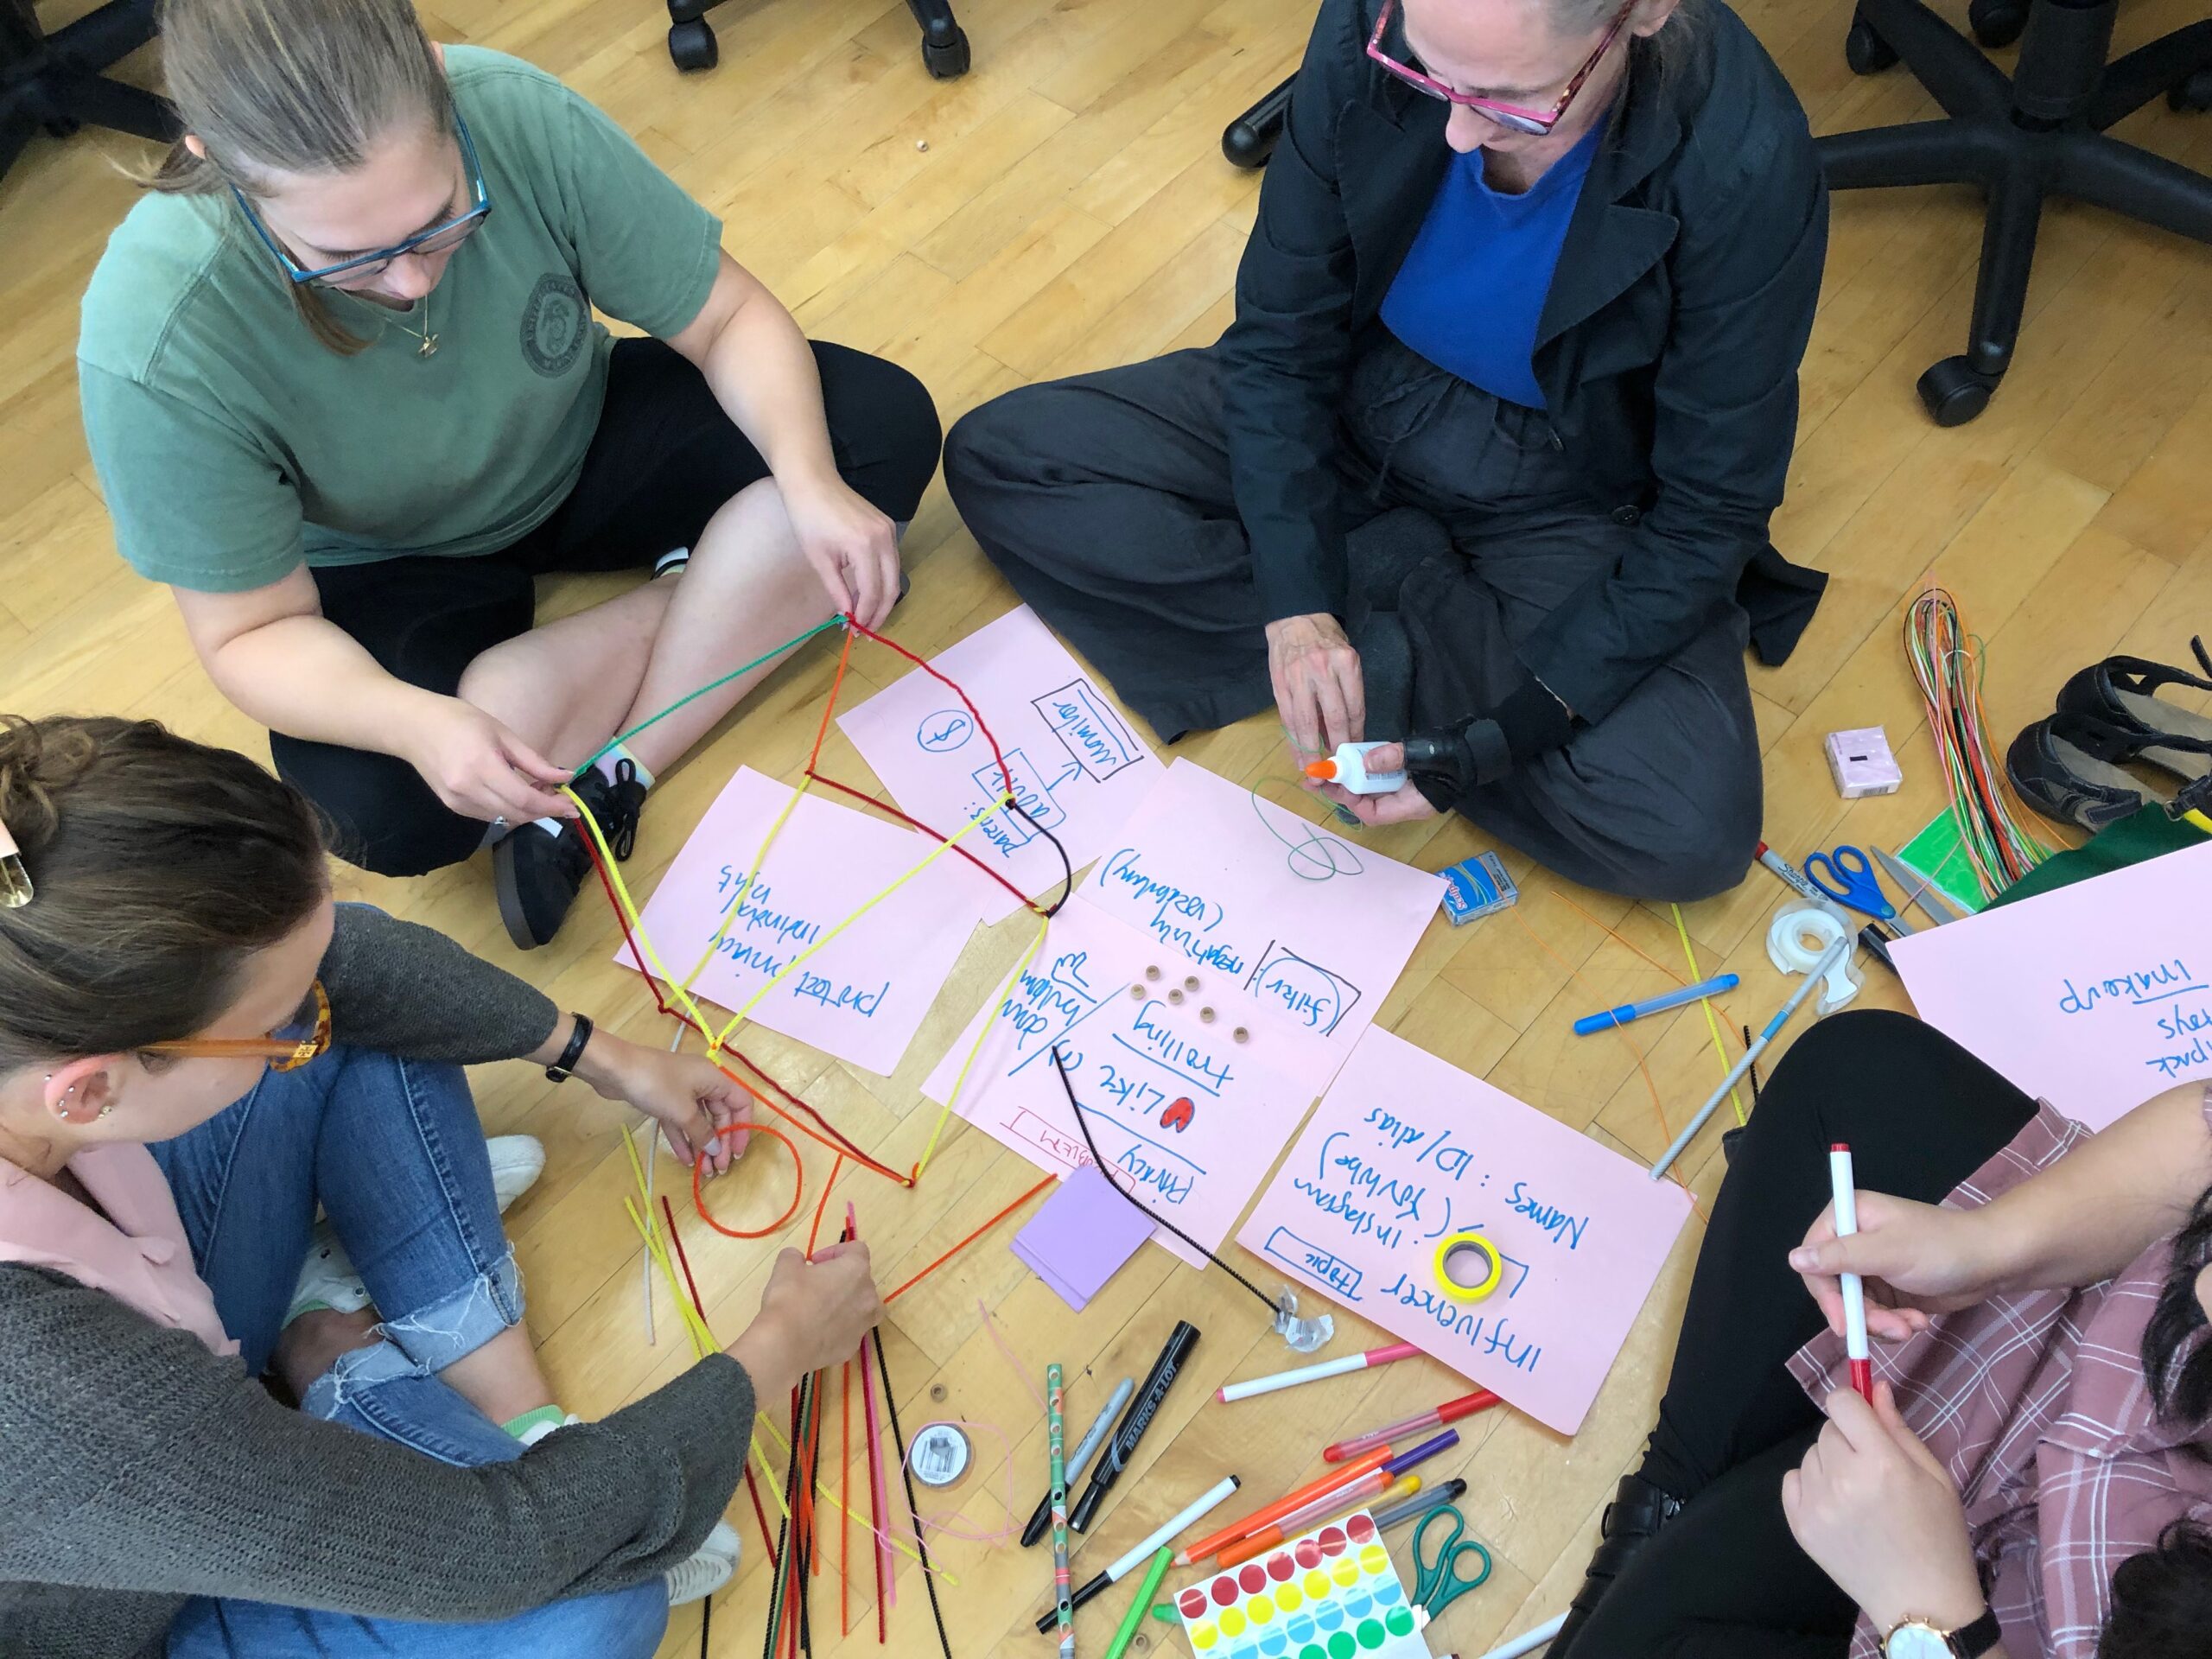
point(1472, 291)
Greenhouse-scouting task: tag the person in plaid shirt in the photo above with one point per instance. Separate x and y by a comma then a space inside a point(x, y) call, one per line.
point(2034, 1474)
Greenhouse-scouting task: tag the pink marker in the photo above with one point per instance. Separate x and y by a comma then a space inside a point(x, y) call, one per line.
point(1350, 1363)
point(1854, 1293)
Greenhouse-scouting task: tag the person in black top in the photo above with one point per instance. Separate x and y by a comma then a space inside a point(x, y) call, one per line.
point(1488, 456)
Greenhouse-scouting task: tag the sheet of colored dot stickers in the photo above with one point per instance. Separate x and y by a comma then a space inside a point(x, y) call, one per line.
point(1331, 1594)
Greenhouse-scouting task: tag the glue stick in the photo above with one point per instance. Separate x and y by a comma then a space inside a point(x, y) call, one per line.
point(1348, 767)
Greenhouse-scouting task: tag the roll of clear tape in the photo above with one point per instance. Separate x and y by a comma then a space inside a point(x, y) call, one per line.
point(1798, 937)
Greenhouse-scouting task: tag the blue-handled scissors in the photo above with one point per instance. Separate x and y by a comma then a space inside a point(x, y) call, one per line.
point(1855, 883)
point(1439, 1582)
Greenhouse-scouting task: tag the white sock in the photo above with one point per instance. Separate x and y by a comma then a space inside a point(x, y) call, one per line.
point(607, 763)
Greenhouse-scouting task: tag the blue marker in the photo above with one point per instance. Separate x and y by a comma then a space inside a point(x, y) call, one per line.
point(1596, 1022)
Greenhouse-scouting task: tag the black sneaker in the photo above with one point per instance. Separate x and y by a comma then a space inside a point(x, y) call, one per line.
point(538, 872)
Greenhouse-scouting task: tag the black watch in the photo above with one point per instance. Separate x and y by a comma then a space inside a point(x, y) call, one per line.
point(563, 1069)
point(1916, 1638)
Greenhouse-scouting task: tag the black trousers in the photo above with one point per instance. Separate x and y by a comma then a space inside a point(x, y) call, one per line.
point(1106, 501)
point(663, 460)
point(1725, 1580)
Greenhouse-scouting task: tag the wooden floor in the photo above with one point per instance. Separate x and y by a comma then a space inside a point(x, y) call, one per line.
point(1063, 208)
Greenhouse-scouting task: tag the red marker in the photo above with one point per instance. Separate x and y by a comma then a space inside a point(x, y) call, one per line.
point(1450, 1412)
point(1854, 1293)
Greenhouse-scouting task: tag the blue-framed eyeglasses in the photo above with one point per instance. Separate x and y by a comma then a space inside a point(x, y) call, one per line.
point(437, 239)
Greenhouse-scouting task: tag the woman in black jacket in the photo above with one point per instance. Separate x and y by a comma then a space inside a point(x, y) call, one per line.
point(1489, 454)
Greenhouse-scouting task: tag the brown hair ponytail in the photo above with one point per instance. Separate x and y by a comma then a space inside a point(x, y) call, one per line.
point(158, 867)
point(272, 86)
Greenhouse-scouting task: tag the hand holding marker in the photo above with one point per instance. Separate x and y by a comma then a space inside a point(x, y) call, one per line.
point(1854, 1291)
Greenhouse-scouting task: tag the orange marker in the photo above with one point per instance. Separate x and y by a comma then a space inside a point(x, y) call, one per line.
point(1334, 1482)
point(1360, 1495)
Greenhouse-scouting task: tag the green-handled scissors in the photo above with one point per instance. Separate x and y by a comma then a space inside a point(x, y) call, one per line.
point(1438, 1583)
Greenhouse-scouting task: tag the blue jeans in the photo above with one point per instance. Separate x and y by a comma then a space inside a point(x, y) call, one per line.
point(392, 1150)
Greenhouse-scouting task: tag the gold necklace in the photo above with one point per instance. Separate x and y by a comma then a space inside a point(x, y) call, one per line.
point(425, 333)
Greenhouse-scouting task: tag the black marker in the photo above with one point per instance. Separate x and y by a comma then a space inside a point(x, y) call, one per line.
point(1137, 1419)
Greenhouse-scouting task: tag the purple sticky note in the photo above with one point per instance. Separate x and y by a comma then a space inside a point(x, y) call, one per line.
point(1082, 1236)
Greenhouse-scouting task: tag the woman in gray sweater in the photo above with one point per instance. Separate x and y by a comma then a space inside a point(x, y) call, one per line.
point(197, 1051)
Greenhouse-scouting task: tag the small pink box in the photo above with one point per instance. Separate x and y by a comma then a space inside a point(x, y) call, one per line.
point(1861, 764)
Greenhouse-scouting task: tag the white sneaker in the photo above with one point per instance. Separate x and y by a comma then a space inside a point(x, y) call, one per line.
point(712, 1565)
point(517, 1162)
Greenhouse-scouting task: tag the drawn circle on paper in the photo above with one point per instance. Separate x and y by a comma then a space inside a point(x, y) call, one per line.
point(1341, 1645)
point(1370, 1634)
point(1280, 1566)
point(944, 731)
point(1261, 1610)
point(1361, 1528)
point(1224, 1591)
point(1252, 1578)
point(1346, 1573)
point(1203, 1636)
point(1232, 1621)
point(1289, 1597)
point(1308, 1552)
point(1399, 1621)
point(1192, 1602)
point(1332, 1539)
point(1373, 1558)
point(1316, 1585)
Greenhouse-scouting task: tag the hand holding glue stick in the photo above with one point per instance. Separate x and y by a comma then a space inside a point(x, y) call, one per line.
point(1854, 1291)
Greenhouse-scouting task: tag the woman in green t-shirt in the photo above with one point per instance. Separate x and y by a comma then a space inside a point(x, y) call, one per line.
point(347, 397)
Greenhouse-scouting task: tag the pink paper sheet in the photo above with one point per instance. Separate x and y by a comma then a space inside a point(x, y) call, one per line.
point(1185, 1116)
point(863, 996)
point(1079, 768)
point(2094, 997)
point(1405, 1150)
point(1314, 927)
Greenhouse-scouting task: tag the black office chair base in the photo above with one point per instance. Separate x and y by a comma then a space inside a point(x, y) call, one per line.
point(2021, 139)
point(1251, 137)
point(691, 43)
point(52, 82)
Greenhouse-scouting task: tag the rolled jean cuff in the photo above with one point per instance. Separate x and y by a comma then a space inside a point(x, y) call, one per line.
point(424, 1341)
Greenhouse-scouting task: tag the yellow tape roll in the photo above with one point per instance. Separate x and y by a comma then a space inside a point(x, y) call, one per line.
point(1468, 1241)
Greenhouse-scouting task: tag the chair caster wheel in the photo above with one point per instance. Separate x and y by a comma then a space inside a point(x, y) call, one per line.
point(1955, 391)
point(1867, 53)
point(693, 46)
point(1998, 23)
point(2193, 94)
point(1246, 145)
point(945, 59)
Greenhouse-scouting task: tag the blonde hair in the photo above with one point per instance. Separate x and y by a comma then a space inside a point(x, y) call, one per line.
point(273, 86)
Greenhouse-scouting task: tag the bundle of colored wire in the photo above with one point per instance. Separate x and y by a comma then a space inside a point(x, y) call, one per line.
point(1948, 662)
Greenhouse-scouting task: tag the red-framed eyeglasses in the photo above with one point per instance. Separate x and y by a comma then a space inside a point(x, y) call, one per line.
point(1535, 123)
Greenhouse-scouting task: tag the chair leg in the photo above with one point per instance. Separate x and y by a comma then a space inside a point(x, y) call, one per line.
point(945, 46)
point(2133, 81)
point(1943, 61)
point(2008, 256)
point(1251, 137)
point(1925, 152)
point(2109, 174)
